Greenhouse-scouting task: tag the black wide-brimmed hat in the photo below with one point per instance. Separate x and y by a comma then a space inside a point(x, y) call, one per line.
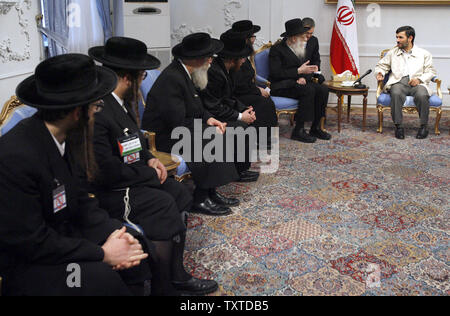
point(197, 45)
point(246, 27)
point(294, 27)
point(235, 45)
point(66, 81)
point(125, 53)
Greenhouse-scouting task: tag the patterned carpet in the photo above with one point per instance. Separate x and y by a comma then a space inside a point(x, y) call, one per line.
point(334, 211)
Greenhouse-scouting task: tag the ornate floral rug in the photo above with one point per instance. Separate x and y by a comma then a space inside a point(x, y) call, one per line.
point(363, 214)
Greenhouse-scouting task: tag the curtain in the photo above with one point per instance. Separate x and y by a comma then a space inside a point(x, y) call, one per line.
point(55, 14)
point(104, 10)
point(86, 28)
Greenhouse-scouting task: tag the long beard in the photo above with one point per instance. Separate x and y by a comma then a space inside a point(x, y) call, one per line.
point(80, 142)
point(299, 49)
point(200, 77)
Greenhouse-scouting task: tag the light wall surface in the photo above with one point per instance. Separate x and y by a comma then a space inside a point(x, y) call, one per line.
point(430, 22)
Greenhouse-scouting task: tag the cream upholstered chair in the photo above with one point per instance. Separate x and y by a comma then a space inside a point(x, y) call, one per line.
point(384, 101)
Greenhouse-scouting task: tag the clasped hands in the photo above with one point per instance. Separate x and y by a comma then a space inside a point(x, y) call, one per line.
point(123, 251)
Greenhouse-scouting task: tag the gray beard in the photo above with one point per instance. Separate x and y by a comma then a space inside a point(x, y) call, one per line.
point(298, 49)
point(200, 77)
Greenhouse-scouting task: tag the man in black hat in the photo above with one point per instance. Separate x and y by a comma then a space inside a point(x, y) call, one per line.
point(245, 88)
point(291, 76)
point(219, 99)
point(49, 225)
point(132, 184)
point(174, 102)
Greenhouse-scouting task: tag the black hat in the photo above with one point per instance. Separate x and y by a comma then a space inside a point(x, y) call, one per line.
point(235, 45)
point(294, 27)
point(247, 27)
point(66, 81)
point(197, 45)
point(125, 53)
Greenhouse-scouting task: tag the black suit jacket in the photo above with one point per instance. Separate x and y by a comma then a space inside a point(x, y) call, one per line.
point(284, 66)
point(172, 102)
point(312, 52)
point(244, 80)
point(30, 167)
point(218, 97)
point(114, 173)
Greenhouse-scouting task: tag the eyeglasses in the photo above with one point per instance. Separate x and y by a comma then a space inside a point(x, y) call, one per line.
point(98, 106)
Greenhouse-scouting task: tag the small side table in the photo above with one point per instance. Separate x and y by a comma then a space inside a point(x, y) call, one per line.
point(340, 91)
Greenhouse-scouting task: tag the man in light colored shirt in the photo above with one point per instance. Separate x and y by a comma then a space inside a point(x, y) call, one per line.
point(410, 70)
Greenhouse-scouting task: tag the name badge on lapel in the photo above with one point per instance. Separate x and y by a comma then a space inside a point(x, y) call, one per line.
point(129, 148)
point(59, 198)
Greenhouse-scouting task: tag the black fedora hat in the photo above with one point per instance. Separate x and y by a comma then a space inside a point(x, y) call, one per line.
point(235, 45)
point(247, 27)
point(125, 53)
point(294, 27)
point(66, 81)
point(197, 45)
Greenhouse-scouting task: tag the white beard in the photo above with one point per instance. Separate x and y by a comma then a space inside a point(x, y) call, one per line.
point(200, 77)
point(299, 49)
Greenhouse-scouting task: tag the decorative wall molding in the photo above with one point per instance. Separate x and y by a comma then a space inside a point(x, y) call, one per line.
point(183, 30)
point(7, 54)
point(230, 18)
point(6, 6)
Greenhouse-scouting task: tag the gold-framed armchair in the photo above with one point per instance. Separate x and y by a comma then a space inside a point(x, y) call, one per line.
point(383, 101)
point(13, 112)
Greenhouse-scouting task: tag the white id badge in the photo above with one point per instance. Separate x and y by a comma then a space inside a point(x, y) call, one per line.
point(129, 148)
point(59, 199)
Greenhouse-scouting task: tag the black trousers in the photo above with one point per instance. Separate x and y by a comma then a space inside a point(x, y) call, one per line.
point(266, 113)
point(96, 279)
point(242, 150)
point(157, 211)
point(313, 100)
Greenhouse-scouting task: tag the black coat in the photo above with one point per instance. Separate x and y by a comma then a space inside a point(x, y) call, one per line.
point(218, 97)
point(30, 166)
point(284, 66)
point(114, 173)
point(312, 52)
point(151, 202)
point(244, 81)
point(174, 102)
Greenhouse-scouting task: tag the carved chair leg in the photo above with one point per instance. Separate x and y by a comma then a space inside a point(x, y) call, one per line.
point(438, 119)
point(292, 119)
point(380, 120)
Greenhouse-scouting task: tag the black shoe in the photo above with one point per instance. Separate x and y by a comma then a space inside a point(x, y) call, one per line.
point(208, 207)
point(248, 176)
point(196, 287)
point(222, 200)
point(422, 133)
point(320, 134)
point(303, 137)
point(399, 133)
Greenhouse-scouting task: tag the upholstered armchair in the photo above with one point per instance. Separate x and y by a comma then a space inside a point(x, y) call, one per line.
point(384, 101)
point(175, 165)
point(261, 63)
point(12, 113)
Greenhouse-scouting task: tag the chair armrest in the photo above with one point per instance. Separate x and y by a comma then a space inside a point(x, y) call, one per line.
point(438, 87)
point(380, 88)
point(151, 138)
point(262, 81)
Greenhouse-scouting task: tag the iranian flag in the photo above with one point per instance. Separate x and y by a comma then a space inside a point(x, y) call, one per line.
point(344, 53)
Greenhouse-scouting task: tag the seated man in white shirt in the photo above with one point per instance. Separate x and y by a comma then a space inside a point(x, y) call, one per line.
point(411, 72)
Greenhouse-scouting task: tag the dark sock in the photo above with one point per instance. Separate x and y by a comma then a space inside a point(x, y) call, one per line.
point(200, 195)
point(161, 269)
point(179, 274)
